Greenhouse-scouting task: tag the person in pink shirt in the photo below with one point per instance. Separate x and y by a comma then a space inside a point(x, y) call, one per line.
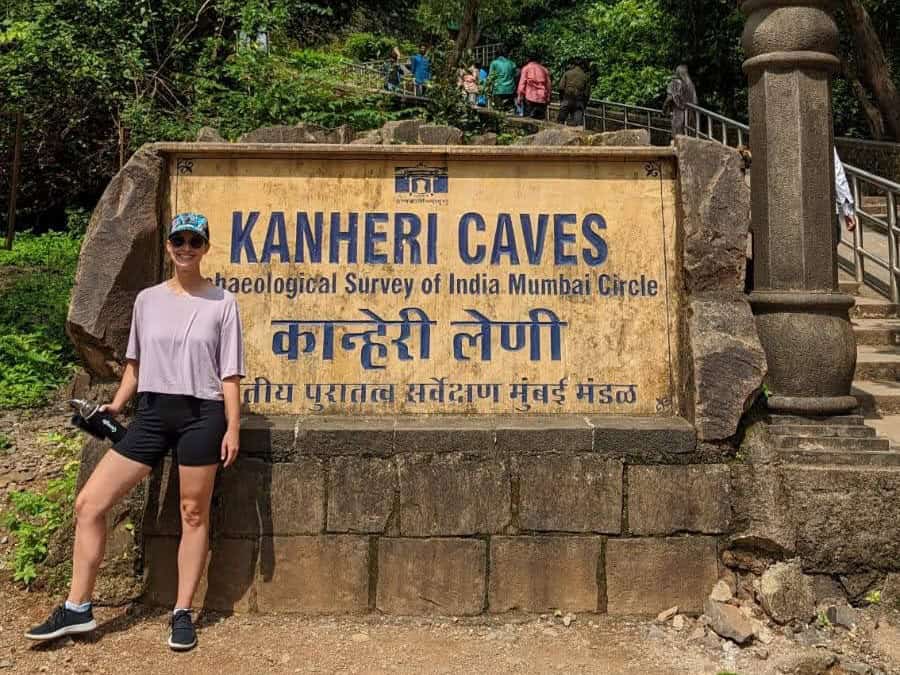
point(534, 89)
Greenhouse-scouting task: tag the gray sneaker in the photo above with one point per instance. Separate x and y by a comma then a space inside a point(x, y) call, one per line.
point(63, 622)
point(182, 636)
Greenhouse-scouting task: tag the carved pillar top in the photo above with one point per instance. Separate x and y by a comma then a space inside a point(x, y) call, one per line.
point(790, 34)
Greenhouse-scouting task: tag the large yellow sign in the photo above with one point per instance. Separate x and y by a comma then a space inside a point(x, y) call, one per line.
point(425, 280)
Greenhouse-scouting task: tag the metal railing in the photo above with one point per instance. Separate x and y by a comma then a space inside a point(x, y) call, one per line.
point(870, 252)
point(483, 54)
point(373, 77)
point(702, 123)
point(873, 243)
point(602, 115)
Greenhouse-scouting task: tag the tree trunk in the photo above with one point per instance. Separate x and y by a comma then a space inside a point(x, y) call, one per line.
point(873, 66)
point(468, 31)
point(873, 115)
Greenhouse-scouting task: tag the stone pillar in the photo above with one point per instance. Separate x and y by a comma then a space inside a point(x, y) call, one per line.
point(802, 320)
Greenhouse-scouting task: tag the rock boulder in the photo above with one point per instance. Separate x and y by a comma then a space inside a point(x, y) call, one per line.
point(554, 136)
point(715, 214)
point(786, 593)
point(439, 134)
point(728, 621)
point(621, 137)
point(400, 132)
point(489, 138)
point(121, 255)
point(299, 133)
point(209, 135)
point(370, 137)
point(728, 363)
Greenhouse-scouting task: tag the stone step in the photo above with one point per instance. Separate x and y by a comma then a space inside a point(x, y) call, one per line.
point(873, 308)
point(876, 205)
point(843, 420)
point(874, 332)
point(877, 363)
point(887, 426)
point(831, 444)
point(823, 430)
point(849, 287)
point(814, 458)
point(877, 396)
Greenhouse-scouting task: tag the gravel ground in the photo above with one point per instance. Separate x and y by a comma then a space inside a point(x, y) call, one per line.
point(133, 639)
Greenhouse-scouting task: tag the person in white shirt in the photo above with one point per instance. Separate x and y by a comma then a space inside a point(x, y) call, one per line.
point(844, 205)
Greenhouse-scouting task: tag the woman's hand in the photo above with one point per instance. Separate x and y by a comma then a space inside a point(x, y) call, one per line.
point(230, 446)
point(111, 408)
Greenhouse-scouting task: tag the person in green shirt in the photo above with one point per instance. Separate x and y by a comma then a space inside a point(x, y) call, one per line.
point(501, 82)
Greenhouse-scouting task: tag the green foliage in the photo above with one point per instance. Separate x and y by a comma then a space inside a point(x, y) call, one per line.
point(52, 251)
point(30, 368)
point(64, 445)
point(32, 520)
point(77, 220)
point(80, 70)
point(627, 42)
point(371, 47)
point(35, 353)
point(6, 443)
point(873, 597)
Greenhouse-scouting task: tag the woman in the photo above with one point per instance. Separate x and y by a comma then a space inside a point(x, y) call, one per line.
point(185, 361)
point(679, 94)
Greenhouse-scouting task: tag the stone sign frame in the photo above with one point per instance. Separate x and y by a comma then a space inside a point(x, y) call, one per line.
point(486, 505)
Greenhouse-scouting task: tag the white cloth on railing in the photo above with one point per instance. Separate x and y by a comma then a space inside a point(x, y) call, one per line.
point(843, 197)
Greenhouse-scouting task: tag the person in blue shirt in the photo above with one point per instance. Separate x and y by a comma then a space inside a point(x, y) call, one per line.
point(482, 85)
point(420, 65)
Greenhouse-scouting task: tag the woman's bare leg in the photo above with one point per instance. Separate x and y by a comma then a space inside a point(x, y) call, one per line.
point(196, 494)
point(113, 478)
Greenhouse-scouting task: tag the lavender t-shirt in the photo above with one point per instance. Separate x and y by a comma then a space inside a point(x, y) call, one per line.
point(186, 344)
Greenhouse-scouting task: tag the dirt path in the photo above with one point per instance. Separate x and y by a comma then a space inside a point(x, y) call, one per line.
point(289, 644)
point(133, 640)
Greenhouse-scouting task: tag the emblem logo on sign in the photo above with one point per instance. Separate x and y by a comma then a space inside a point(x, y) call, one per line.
point(420, 180)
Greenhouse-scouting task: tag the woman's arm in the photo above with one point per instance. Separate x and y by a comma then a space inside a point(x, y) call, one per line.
point(127, 388)
point(231, 393)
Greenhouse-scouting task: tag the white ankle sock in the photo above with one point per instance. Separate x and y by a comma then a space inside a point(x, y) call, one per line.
point(180, 609)
point(73, 607)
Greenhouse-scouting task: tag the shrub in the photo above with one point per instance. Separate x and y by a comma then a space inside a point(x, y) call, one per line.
point(35, 353)
point(30, 369)
point(33, 519)
point(57, 251)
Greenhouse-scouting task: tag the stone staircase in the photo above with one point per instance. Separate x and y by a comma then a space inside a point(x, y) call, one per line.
point(870, 436)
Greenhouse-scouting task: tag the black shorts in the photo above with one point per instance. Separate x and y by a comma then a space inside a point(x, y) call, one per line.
point(192, 427)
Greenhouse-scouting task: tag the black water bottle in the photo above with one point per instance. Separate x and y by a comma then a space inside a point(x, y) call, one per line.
point(88, 417)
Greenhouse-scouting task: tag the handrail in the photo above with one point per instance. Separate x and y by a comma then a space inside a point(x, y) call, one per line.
point(874, 178)
point(872, 244)
point(720, 118)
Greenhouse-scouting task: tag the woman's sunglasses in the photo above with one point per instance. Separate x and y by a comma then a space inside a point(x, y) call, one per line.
point(195, 241)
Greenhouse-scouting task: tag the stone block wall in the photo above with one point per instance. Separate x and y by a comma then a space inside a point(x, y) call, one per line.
point(454, 516)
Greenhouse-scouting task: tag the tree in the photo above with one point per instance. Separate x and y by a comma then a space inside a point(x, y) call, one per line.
point(471, 20)
point(883, 112)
